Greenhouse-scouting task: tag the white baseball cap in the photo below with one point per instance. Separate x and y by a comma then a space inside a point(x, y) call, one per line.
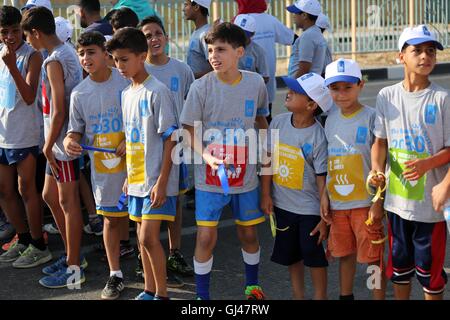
point(313, 86)
point(246, 22)
point(312, 7)
point(323, 21)
point(418, 35)
point(64, 29)
point(345, 70)
point(37, 3)
point(204, 3)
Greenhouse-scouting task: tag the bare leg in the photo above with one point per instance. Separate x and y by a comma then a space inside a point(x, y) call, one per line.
point(297, 273)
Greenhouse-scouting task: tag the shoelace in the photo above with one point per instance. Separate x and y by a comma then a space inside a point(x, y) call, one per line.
point(113, 282)
point(26, 252)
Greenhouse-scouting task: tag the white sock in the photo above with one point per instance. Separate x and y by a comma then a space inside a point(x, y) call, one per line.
point(118, 274)
point(92, 216)
point(251, 258)
point(201, 268)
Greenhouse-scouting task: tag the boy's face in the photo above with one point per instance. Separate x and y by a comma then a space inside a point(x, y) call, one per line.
point(419, 59)
point(129, 63)
point(92, 58)
point(33, 38)
point(156, 39)
point(188, 10)
point(299, 18)
point(11, 35)
point(298, 103)
point(345, 94)
point(223, 57)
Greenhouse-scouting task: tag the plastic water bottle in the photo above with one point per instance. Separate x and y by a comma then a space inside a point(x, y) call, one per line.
point(447, 214)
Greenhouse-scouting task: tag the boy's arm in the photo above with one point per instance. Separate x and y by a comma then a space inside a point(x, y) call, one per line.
point(303, 68)
point(441, 193)
point(197, 146)
point(322, 225)
point(417, 168)
point(72, 144)
point(266, 184)
point(158, 194)
point(27, 87)
point(378, 159)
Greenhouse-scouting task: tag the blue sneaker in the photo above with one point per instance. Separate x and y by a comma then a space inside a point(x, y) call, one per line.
point(95, 226)
point(60, 264)
point(144, 296)
point(63, 279)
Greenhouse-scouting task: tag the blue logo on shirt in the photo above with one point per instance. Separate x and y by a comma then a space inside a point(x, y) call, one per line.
point(307, 149)
point(361, 135)
point(174, 84)
point(430, 114)
point(248, 62)
point(249, 108)
point(341, 66)
point(143, 108)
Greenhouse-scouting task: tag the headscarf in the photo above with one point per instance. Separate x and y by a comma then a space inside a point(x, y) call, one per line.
point(142, 8)
point(251, 6)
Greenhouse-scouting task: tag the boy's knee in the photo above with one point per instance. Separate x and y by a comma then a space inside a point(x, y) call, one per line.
point(6, 192)
point(149, 242)
point(26, 190)
point(205, 240)
point(248, 235)
point(111, 222)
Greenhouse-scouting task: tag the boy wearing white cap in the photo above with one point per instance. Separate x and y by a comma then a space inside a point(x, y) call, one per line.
point(308, 51)
point(412, 147)
point(254, 58)
point(197, 56)
point(349, 131)
point(293, 192)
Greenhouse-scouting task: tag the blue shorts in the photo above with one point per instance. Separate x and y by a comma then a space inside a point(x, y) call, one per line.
point(139, 209)
point(295, 244)
point(112, 212)
point(417, 248)
point(12, 156)
point(245, 207)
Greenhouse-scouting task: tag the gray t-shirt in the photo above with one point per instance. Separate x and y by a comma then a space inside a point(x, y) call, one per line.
point(96, 113)
point(416, 125)
point(328, 59)
point(19, 122)
point(254, 60)
point(218, 106)
point(147, 115)
point(349, 143)
point(177, 76)
point(309, 47)
point(67, 58)
point(197, 56)
point(302, 155)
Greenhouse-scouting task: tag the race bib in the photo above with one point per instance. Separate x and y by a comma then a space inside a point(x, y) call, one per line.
point(398, 185)
point(108, 163)
point(347, 179)
point(235, 155)
point(135, 163)
point(289, 166)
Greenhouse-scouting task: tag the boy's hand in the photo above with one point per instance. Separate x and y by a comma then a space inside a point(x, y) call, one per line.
point(125, 187)
point(415, 169)
point(377, 181)
point(212, 161)
point(322, 228)
point(51, 160)
point(121, 149)
point(267, 204)
point(9, 57)
point(158, 195)
point(325, 212)
point(72, 147)
point(440, 195)
point(376, 212)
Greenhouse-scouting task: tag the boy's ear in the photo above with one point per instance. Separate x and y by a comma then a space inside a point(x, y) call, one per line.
point(400, 57)
point(143, 56)
point(362, 83)
point(312, 105)
point(240, 51)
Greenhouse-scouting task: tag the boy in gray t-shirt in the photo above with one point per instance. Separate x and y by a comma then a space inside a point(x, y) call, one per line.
point(410, 153)
point(95, 117)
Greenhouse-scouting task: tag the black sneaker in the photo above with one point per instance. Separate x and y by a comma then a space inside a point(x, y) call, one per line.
point(139, 270)
point(126, 250)
point(113, 288)
point(173, 281)
point(177, 264)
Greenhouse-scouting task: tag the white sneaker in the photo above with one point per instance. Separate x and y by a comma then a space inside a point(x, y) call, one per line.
point(50, 228)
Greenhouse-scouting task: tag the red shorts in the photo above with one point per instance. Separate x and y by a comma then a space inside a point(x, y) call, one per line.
point(69, 172)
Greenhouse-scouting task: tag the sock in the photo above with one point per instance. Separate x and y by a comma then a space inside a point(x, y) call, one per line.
point(251, 261)
point(39, 243)
point(202, 277)
point(347, 297)
point(24, 238)
point(125, 242)
point(118, 274)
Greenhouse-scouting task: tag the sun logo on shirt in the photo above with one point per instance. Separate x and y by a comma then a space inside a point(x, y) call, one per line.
point(284, 171)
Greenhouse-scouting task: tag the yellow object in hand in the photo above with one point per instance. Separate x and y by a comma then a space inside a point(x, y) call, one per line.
point(273, 225)
point(379, 192)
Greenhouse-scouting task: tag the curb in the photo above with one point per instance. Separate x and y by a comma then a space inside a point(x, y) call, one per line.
point(387, 73)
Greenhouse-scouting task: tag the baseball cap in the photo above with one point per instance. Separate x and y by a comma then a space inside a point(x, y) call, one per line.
point(37, 3)
point(418, 35)
point(323, 21)
point(64, 29)
point(312, 7)
point(204, 3)
point(345, 70)
point(313, 86)
point(246, 22)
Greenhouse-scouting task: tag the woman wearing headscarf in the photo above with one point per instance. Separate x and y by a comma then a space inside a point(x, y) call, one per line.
point(142, 8)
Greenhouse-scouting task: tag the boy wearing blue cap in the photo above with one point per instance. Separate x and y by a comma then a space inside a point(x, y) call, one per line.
point(356, 232)
point(292, 190)
point(411, 148)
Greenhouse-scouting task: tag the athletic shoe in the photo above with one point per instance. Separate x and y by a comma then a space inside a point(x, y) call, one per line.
point(95, 226)
point(144, 296)
point(61, 264)
point(32, 257)
point(126, 250)
point(63, 279)
point(13, 253)
point(177, 264)
point(139, 270)
point(8, 245)
point(6, 230)
point(113, 288)
point(159, 298)
point(254, 293)
point(173, 281)
point(51, 228)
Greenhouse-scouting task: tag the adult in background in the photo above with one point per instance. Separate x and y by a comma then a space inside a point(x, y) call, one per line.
point(141, 7)
point(90, 18)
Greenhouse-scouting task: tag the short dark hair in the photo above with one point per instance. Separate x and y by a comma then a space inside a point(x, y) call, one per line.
point(91, 6)
point(229, 33)
point(91, 38)
point(318, 111)
point(152, 19)
point(109, 15)
point(204, 11)
point(9, 16)
point(124, 17)
point(128, 38)
point(312, 17)
point(39, 18)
